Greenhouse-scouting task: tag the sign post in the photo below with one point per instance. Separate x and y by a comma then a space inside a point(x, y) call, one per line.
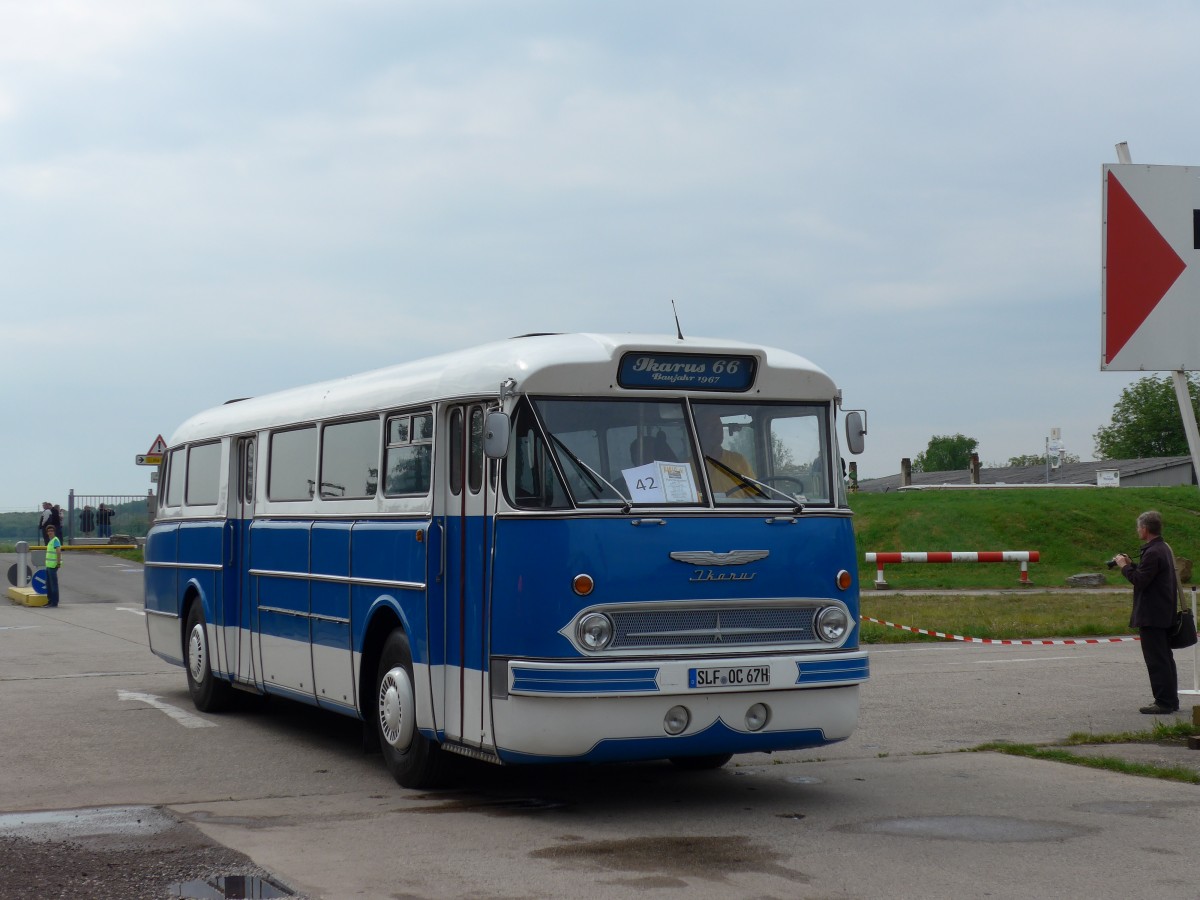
point(1150, 307)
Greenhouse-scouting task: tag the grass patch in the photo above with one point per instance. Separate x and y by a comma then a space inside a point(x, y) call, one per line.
point(1160, 733)
point(996, 616)
point(1163, 733)
point(1108, 763)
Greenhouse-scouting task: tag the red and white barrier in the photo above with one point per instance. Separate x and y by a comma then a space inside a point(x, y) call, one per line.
point(1024, 557)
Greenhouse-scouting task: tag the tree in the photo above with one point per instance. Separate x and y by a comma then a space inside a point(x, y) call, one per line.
point(946, 454)
point(1146, 421)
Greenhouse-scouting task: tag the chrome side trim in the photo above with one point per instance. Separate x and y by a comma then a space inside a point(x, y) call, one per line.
point(299, 614)
point(215, 567)
point(341, 579)
point(161, 612)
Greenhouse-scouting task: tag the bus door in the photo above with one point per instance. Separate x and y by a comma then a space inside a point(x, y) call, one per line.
point(236, 596)
point(465, 551)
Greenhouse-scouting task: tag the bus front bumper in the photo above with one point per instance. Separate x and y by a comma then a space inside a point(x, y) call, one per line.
point(584, 711)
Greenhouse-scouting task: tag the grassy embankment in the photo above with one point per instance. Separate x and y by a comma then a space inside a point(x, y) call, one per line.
point(1075, 530)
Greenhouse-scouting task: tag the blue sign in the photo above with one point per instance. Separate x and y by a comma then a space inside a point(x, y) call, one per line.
point(38, 582)
point(682, 371)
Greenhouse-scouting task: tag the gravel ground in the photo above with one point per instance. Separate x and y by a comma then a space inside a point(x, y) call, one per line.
point(56, 860)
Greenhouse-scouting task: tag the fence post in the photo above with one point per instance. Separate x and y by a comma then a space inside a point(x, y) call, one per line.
point(69, 530)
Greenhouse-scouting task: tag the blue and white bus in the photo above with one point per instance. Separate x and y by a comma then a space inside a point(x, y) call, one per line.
point(555, 548)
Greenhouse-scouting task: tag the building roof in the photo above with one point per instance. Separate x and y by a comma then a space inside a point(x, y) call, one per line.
point(1067, 473)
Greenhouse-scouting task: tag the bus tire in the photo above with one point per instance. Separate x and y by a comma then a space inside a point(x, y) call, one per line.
point(413, 759)
point(700, 763)
point(209, 694)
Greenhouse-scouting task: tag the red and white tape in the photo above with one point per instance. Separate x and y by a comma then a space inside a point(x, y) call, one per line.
point(1011, 643)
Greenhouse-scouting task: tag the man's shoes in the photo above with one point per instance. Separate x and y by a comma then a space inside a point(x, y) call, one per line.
point(1157, 709)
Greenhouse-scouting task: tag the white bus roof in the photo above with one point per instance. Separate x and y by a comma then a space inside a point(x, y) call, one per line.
point(570, 364)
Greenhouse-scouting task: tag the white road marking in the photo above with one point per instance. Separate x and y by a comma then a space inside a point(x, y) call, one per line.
point(186, 719)
point(140, 612)
point(1025, 659)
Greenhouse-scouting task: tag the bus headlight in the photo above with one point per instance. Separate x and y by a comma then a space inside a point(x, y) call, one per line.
point(676, 720)
point(757, 716)
point(594, 631)
point(832, 624)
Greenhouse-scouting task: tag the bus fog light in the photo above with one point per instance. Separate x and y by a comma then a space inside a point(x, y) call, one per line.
point(832, 624)
point(595, 631)
point(758, 716)
point(676, 719)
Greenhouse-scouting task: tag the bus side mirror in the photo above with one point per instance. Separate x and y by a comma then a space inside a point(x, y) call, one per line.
point(495, 435)
point(856, 427)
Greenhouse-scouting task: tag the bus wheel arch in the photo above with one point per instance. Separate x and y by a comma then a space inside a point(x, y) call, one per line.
point(413, 759)
point(209, 693)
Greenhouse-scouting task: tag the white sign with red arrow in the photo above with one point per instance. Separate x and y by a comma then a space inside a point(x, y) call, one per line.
point(1150, 308)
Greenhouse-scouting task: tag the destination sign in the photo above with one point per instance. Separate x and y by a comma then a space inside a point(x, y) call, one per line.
point(693, 372)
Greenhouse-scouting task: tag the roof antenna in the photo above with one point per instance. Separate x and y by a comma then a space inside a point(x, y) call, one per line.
point(678, 330)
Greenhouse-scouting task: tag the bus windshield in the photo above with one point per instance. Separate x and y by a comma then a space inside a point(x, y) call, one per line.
point(669, 452)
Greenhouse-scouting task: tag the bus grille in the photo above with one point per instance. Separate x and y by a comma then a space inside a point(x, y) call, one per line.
point(707, 627)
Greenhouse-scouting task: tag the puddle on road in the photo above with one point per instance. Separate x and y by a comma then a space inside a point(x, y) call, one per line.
point(698, 856)
point(229, 887)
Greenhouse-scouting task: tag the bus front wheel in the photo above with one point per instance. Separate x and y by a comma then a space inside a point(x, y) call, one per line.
point(209, 694)
point(413, 760)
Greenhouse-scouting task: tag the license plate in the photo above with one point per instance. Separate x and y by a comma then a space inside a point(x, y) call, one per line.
point(730, 676)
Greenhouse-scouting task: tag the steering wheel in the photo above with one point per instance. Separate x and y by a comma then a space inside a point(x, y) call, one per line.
point(777, 480)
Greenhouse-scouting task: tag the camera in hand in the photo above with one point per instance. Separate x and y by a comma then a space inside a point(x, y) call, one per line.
point(1112, 563)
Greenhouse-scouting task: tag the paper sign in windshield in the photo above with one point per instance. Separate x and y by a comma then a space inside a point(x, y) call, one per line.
point(661, 482)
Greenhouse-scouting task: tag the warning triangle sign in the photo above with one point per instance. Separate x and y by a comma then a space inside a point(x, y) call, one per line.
point(158, 448)
point(1140, 268)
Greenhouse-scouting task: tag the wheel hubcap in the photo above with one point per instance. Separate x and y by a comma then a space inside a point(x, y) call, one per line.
point(396, 708)
point(197, 651)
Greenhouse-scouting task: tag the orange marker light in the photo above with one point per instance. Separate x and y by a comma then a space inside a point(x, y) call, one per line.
point(583, 585)
point(844, 579)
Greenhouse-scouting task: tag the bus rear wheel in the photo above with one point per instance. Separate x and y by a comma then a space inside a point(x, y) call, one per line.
point(209, 694)
point(413, 760)
point(700, 763)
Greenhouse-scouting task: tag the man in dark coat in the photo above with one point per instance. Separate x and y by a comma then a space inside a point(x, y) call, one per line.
point(1155, 593)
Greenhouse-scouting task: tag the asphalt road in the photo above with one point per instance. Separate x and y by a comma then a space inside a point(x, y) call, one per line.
point(92, 720)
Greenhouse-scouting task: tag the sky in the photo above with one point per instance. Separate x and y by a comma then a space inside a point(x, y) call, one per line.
point(202, 201)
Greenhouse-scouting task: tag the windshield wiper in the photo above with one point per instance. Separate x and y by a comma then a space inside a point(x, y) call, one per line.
point(746, 481)
point(596, 476)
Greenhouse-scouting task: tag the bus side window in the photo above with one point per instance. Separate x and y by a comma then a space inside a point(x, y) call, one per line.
point(293, 464)
point(456, 450)
point(350, 459)
point(530, 480)
point(409, 455)
point(204, 474)
point(475, 451)
point(175, 472)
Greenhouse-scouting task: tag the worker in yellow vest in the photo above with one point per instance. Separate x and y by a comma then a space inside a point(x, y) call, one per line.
point(53, 564)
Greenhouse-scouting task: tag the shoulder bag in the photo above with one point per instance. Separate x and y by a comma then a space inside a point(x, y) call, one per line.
point(1183, 631)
